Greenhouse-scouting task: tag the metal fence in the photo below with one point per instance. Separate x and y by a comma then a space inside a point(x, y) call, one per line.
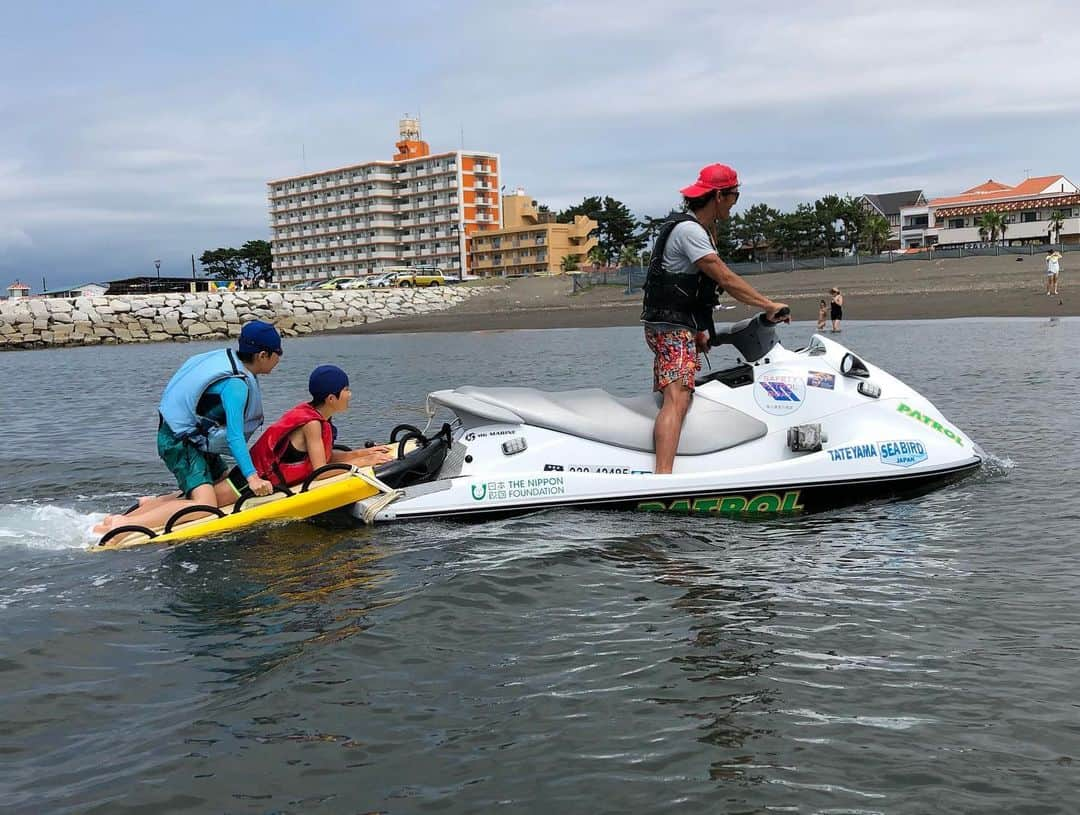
point(633, 278)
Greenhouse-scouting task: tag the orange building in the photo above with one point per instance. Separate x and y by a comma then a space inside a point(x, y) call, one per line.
point(530, 242)
point(421, 208)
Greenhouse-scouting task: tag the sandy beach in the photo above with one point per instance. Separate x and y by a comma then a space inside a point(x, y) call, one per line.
point(905, 290)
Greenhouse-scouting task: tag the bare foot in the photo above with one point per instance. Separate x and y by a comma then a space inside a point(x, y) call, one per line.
point(105, 524)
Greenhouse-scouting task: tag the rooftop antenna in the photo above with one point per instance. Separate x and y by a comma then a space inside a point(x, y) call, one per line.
point(1027, 172)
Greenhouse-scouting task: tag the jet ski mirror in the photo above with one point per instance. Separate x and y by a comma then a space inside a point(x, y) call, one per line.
point(851, 365)
point(753, 337)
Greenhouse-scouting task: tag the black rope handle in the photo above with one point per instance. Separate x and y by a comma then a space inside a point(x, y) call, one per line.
point(124, 530)
point(246, 494)
point(410, 428)
point(413, 434)
point(180, 513)
point(333, 466)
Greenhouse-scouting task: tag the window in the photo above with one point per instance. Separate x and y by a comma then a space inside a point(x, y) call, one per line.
point(1028, 217)
point(956, 223)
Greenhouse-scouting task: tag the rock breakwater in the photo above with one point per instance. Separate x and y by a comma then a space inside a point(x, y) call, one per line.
point(108, 320)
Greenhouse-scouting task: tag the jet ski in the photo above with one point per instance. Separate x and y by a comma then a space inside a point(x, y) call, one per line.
point(779, 432)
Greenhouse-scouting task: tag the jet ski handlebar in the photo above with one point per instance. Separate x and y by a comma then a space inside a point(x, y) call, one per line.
point(753, 337)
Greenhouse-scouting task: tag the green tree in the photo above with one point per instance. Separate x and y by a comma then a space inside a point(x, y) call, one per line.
point(828, 211)
point(1057, 223)
point(877, 233)
point(615, 224)
point(751, 229)
point(597, 257)
point(994, 224)
point(569, 263)
point(628, 256)
point(224, 263)
point(257, 260)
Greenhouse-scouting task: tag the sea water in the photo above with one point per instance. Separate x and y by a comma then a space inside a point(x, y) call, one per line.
point(910, 657)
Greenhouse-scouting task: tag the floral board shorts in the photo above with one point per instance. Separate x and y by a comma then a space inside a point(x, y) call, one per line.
point(675, 357)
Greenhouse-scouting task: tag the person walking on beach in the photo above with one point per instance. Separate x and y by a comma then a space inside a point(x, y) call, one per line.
point(1053, 269)
point(821, 312)
point(836, 309)
point(684, 281)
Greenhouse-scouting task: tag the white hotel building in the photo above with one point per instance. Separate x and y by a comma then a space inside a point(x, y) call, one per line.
point(419, 209)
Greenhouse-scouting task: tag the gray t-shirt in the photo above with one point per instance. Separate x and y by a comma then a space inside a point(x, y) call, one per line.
point(687, 244)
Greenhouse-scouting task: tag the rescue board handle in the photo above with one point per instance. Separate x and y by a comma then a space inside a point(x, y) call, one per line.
point(333, 466)
point(180, 513)
point(127, 529)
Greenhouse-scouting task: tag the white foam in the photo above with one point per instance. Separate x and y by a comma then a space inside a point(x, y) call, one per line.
point(46, 526)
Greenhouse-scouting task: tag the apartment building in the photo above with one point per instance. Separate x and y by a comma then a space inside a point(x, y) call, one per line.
point(418, 208)
point(1027, 209)
point(530, 242)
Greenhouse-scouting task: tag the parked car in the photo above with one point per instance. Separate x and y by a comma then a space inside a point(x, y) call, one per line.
point(376, 281)
point(335, 283)
point(307, 284)
point(420, 277)
point(353, 283)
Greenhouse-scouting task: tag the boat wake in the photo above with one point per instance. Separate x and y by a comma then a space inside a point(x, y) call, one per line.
point(46, 526)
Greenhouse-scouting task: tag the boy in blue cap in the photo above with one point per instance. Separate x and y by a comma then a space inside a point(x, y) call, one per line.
point(212, 405)
point(302, 440)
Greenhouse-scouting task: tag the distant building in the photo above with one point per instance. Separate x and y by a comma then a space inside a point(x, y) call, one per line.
point(419, 208)
point(889, 206)
point(156, 285)
point(18, 289)
point(85, 290)
point(1026, 209)
point(530, 242)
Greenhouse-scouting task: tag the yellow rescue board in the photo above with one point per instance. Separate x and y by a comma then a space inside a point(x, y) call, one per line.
point(324, 495)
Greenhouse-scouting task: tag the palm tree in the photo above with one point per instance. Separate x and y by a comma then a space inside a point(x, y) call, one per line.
point(597, 256)
point(1057, 223)
point(877, 233)
point(628, 256)
point(984, 234)
point(569, 263)
point(991, 223)
point(1003, 226)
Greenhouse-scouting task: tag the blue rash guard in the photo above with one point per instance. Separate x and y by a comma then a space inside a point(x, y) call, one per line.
point(233, 393)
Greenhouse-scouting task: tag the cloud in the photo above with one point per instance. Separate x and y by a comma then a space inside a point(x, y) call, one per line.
point(13, 237)
point(118, 150)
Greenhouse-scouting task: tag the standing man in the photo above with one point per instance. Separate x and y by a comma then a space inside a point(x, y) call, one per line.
point(685, 279)
point(213, 405)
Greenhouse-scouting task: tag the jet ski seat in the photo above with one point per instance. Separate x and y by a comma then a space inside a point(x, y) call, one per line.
point(595, 414)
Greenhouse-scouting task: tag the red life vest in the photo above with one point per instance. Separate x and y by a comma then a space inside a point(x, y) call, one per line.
point(267, 452)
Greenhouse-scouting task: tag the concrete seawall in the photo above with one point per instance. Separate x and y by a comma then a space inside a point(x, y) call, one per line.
point(108, 320)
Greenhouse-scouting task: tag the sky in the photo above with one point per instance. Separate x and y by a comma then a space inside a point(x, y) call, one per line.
point(132, 132)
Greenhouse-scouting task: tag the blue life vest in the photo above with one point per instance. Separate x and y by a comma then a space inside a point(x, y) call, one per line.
point(187, 388)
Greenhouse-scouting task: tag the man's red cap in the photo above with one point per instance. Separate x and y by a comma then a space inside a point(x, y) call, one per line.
point(713, 177)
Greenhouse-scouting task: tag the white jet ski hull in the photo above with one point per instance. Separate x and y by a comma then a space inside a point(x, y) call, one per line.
point(517, 450)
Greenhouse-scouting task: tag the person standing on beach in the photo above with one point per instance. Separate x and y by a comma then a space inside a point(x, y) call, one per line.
point(836, 309)
point(821, 312)
point(685, 278)
point(1053, 269)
